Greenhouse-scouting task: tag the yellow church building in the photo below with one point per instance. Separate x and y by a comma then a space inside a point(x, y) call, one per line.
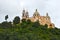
point(36, 16)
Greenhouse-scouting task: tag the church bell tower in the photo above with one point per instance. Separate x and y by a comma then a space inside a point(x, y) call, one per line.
point(25, 14)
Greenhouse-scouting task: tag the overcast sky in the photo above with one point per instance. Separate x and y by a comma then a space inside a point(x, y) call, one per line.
point(14, 8)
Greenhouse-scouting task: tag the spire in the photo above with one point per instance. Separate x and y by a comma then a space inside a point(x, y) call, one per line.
point(23, 10)
point(23, 14)
point(27, 14)
point(36, 10)
point(47, 14)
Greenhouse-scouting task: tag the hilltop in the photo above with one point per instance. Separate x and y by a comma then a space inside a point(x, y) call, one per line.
point(27, 30)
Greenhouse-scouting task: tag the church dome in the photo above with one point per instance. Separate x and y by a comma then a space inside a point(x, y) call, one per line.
point(36, 13)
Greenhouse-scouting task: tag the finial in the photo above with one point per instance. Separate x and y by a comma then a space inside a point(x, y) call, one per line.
point(23, 10)
point(36, 9)
point(47, 14)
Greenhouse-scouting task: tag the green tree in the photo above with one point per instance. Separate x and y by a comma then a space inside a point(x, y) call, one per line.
point(36, 24)
point(29, 21)
point(16, 20)
point(6, 24)
point(23, 20)
point(6, 17)
point(45, 26)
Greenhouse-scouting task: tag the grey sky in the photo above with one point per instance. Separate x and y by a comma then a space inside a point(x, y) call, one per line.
point(14, 8)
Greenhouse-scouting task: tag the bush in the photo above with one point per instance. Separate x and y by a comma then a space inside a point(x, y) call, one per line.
point(16, 20)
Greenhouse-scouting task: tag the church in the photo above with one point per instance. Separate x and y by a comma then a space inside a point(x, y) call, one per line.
point(36, 16)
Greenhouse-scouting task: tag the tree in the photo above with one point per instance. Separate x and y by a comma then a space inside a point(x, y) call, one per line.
point(6, 17)
point(23, 20)
point(36, 24)
point(6, 24)
point(45, 26)
point(16, 20)
point(28, 21)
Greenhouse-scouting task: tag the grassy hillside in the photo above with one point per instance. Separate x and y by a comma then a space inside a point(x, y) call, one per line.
point(27, 30)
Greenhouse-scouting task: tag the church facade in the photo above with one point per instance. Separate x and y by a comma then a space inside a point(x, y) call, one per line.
point(36, 16)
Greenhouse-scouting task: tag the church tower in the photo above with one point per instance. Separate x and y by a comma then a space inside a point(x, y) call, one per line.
point(47, 15)
point(23, 14)
point(27, 14)
point(48, 18)
point(50, 25)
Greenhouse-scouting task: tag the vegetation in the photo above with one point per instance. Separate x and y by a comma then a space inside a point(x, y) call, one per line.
point(6, 17)
point(27, 30)
point(16, 20)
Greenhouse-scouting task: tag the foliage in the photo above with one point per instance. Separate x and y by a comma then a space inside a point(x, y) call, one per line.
point(6, 24)
point(16, 20)
point(36, 24)
point(27, 30)
point(6, 17)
